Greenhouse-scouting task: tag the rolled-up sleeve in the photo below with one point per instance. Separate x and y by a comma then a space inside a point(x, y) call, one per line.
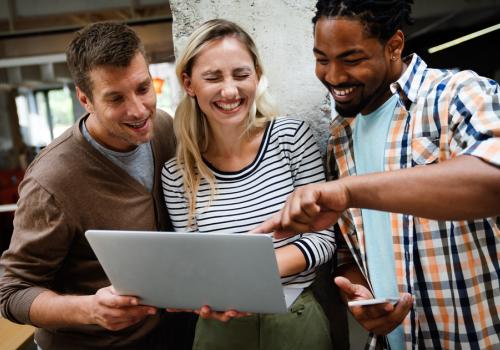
point(39, 244)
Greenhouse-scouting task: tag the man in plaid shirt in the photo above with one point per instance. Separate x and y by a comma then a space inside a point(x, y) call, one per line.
point(419, 150)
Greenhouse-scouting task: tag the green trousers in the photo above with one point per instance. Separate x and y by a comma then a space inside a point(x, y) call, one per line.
point(304, 327)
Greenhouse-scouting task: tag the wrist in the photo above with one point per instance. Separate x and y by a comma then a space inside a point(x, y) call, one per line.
point(346, 193)
point(85, 309)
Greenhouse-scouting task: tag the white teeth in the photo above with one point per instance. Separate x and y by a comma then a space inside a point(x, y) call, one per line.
point(228, 106)
point(343, 92)
point(138, 124)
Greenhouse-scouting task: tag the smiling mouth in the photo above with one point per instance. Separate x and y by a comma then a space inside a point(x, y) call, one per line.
point(343, 92)
point(228, 106)
point(137, 125)
point(343, 95)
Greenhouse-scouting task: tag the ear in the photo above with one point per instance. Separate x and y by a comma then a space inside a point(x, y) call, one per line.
point(258, 71)
point(395, 45)
point(186, 83)
point(84, 100)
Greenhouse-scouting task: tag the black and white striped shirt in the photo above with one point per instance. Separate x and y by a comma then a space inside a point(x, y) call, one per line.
point(288, 157)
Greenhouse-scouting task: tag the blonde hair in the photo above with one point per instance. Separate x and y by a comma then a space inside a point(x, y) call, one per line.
point(190, 124)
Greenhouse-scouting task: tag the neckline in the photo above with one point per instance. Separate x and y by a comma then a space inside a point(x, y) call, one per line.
point(233, 175)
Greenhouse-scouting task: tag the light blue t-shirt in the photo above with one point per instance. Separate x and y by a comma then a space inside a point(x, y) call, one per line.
point(370, 135)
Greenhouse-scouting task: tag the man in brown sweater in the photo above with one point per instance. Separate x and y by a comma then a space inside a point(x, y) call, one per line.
point(103, 173)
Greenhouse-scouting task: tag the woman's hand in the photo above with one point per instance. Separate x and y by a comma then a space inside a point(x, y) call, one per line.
point(206, 313)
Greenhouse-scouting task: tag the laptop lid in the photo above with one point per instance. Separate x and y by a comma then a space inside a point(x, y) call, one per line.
point(188, 270)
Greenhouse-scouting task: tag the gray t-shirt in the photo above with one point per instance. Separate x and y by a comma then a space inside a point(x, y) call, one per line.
point(138, 163)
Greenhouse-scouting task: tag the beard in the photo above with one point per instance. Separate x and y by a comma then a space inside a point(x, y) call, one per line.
point(350, 111)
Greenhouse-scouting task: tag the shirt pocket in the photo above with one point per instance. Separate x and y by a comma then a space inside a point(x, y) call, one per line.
point(425, 150)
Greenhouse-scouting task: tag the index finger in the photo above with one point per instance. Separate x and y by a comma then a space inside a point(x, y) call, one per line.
point(270, 225)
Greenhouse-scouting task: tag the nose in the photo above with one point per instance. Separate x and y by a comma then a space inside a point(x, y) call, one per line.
point(137, 108)
point(336, 74)
point(229, 89)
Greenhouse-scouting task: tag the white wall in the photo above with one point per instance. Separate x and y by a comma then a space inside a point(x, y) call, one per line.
point(282, 30)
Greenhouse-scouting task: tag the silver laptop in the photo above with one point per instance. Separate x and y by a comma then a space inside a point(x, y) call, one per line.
point(189, 270)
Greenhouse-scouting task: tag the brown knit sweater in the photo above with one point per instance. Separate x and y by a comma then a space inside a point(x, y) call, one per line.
point(70, 188)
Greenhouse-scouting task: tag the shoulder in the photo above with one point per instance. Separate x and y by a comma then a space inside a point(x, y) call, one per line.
point(56, 159)
point(163, 120)
point(289, 127)
point(163, 138)
point(290, 130)
point(58, 168)
point(451, 83)
point(171, 173)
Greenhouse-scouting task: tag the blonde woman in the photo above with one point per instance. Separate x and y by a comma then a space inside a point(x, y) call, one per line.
point(236, 164)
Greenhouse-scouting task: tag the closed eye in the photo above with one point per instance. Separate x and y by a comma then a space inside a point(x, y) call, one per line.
point(212, 79)
point(354, 61)
point(115, 99)
point(241, 76)
point(144, 89)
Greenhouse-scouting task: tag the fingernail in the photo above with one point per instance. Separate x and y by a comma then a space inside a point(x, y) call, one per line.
point(134, 301)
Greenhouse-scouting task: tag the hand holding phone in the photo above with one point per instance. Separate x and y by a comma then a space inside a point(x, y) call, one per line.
point(375, 301)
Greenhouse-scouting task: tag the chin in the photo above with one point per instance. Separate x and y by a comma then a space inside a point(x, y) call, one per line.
point(348, 112)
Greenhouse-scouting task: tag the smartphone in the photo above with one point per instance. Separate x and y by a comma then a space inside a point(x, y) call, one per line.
point(372, 301)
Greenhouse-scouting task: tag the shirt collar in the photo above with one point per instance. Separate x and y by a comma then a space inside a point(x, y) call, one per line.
point(411, 80)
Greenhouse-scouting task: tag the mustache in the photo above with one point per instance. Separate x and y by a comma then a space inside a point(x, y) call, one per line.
point(330, 87)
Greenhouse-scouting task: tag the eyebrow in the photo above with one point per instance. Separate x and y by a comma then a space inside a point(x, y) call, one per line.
point(318, 51)
point(342, 55)
point(242, 69)
point(218, 71)
point(111, 94)
point(210, 72)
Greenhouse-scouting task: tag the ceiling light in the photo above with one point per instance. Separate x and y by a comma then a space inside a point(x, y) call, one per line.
point(464, 38)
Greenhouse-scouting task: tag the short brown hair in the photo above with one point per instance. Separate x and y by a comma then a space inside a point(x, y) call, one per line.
point(101, 44)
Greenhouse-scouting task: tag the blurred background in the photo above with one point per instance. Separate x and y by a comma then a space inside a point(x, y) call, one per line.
point(37, 98)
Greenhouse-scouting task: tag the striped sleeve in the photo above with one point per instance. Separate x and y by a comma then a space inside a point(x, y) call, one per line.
point(173, 192)
point(307, 167)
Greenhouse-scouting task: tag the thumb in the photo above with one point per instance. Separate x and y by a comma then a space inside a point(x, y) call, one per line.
point(346, 286)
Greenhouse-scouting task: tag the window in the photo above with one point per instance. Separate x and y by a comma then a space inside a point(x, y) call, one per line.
point(44, 114)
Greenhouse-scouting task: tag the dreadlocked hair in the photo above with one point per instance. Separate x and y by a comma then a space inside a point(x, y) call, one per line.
point(381, 18)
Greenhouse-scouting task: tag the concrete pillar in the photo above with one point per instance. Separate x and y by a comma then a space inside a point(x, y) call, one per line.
point(282, 30)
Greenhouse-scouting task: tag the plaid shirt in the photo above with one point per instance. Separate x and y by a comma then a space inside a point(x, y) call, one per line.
point(451, 267)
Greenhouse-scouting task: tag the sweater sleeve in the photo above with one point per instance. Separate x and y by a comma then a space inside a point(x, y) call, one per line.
point(307, 167)
point(39, 244)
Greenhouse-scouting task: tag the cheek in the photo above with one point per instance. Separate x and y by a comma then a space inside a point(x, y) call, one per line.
point(250, 87)
point(320, 70)
point(205, 92)
point(368, 75)
point(151, 100)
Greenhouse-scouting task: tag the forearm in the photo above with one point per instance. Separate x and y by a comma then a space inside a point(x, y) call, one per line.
point(290, 260)
point(50, 310)
point(458, 189)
